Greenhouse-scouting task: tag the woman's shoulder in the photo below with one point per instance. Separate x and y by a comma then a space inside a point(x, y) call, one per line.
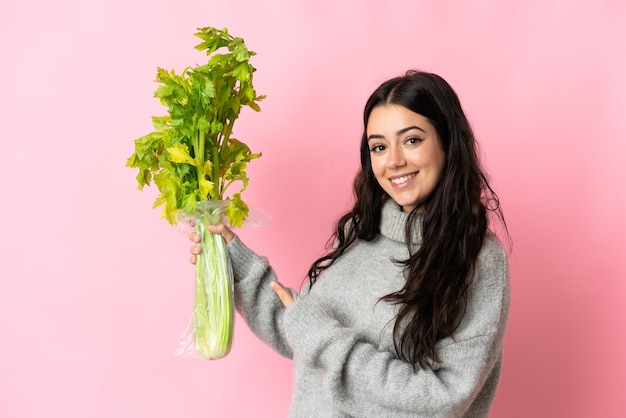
point(492, 268)
point(492, 250)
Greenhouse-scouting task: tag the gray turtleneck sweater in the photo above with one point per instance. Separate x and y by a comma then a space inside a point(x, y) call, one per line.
point(339, 334)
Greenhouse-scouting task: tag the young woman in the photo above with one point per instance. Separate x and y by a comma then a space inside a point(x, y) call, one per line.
point(405, 315)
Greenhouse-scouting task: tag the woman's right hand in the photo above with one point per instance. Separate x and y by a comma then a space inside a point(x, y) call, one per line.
point(221, 229)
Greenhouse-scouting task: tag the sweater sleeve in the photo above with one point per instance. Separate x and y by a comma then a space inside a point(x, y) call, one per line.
point(254, 298)
point(365, 381)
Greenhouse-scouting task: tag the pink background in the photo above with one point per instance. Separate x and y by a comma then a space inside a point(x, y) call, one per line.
point(95, 288)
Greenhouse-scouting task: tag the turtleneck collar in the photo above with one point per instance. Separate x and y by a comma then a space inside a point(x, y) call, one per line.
point(393, 223)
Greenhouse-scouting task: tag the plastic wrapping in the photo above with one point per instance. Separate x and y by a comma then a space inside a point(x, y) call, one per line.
point(210, 331)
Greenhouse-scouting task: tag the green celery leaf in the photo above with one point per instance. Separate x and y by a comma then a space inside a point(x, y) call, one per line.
point(190, 202)
point(160, 122)
point(240, 51)
point(207, 188)
point(242, 71)
point(160, 201)
point(180, 154)
point(209, 89)
point(237, 211)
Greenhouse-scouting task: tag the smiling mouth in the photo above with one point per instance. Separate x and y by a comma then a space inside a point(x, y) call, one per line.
point(403, 179)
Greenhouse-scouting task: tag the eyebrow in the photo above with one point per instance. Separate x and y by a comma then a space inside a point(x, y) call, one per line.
point(400, 132)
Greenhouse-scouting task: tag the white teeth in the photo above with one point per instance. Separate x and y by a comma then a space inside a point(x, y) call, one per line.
point(402, 179)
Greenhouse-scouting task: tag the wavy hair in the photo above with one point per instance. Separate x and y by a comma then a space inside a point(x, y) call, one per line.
point(454, 219)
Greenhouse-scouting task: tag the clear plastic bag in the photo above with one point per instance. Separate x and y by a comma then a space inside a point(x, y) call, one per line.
point(210, 330)
point(209, 333)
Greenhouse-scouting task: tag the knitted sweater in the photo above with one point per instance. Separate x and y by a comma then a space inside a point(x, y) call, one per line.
point(339, 334)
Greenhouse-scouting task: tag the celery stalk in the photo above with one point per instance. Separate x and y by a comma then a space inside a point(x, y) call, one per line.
point(213, 309)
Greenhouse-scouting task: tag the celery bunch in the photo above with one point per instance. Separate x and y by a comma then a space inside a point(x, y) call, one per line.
point(193, 159)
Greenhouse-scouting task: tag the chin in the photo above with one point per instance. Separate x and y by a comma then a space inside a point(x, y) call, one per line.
point(407, 202)
point(406, 206)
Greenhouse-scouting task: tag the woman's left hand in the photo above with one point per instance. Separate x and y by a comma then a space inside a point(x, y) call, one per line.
point(282, 293)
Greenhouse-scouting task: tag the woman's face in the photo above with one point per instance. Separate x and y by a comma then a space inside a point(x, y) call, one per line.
point(406, 154)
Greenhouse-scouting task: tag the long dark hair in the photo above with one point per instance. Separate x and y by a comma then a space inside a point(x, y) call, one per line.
point(454, 219)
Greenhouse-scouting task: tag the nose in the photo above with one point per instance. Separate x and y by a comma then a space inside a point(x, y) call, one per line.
point(396, 157)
